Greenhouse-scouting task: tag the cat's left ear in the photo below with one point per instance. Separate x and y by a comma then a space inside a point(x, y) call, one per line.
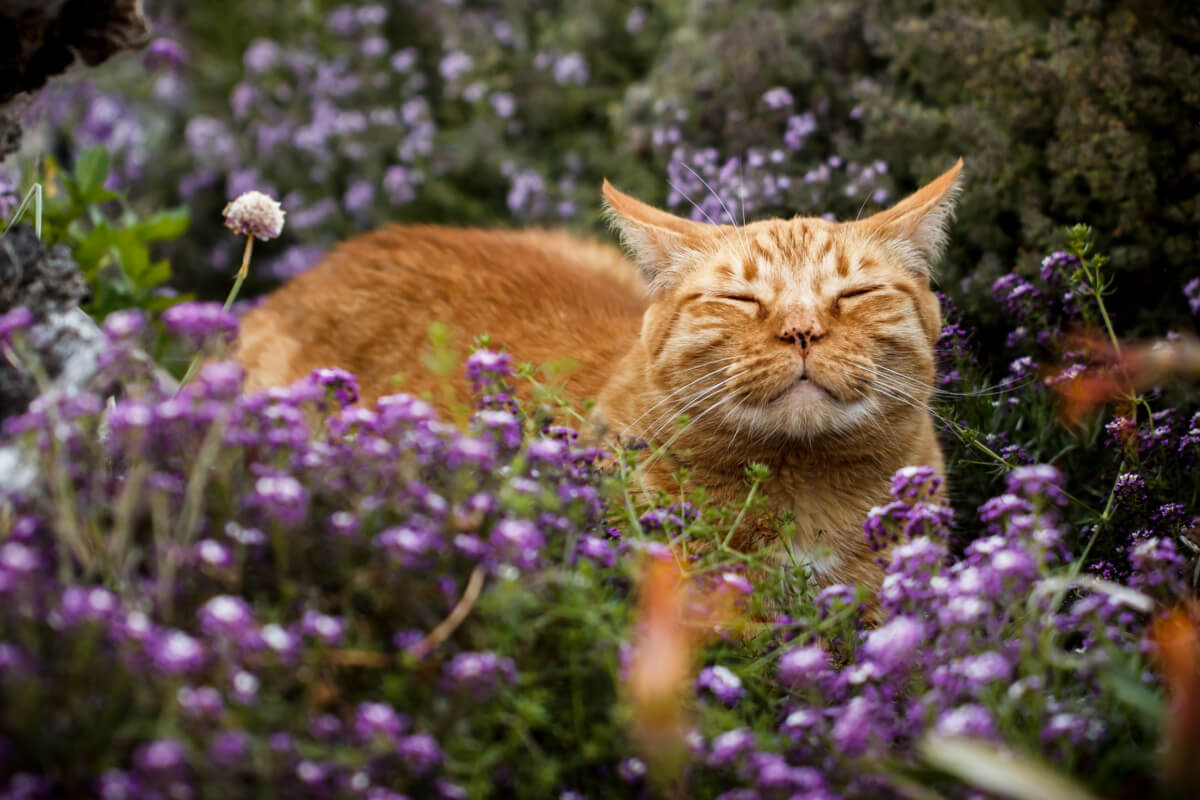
point(659, 242)
point(917, 224)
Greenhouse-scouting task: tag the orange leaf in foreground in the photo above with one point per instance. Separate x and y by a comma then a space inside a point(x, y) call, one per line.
point(662, 653)
point(674, 618)
point(1178, 649)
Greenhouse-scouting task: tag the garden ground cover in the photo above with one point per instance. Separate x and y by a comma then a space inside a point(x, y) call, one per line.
point(207, 594)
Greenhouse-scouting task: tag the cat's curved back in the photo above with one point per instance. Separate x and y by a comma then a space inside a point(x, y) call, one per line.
point(368, 307)
point(804, 344)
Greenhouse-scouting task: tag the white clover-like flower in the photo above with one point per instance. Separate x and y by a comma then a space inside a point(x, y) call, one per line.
point(255, 214)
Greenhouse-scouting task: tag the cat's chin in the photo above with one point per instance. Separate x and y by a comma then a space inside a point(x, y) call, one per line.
point(805, 390)
point(807, 409)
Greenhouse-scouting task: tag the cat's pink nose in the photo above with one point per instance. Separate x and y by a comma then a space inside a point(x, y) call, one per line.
point(804, 334)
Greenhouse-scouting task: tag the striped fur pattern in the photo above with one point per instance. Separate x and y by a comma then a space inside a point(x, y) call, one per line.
point(803, 344)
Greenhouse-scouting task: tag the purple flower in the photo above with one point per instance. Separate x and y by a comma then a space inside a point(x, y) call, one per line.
point(379, 719)
point(338, 382)
point(313, 774)
point(631, 770)
point(857, 724)
point(802, 667)
point(505, 426)
point(736, 581)
point(175, 653)
point(409, 544)
point(343, 523)
point(198, 322)
point(518, 541)
point(730, 746)
point(596, 549)
point(967, 720)
point(120, 325)
point(1037, 480)
point(549, 451)
point(13, 659)
point(777, 97)
point(325, 727)
point(96, 604)
point(918, 482)
point(722, 683)
point(1001, 508)
point(227, 616)
point(799, 128)
point(244, 687)
point(162, 755)
point(478, 673)
point(322, 626)
point(455, 64)
point(261, 55)
point(1191, 290)
point(165, 51)
point(201, 702)
point(571, 69)
point(359, 196)
point(984, 668)
point(18, 559)
point(1058, 267)
point(17, 320)
point(419, 752)
point(1018, 296)
point(229, 748)
point(281, 498)
point(893, 646)
point(115, 784)
point(801, 722)
point(214, 554)
point(484, 366)
point(1157, 569)
point(1014, 562)
point(280, 640)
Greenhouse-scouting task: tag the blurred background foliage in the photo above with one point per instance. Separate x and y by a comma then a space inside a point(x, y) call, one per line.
point(509, 113)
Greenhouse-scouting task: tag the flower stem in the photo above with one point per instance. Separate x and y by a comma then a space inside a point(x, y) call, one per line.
point(242, 272)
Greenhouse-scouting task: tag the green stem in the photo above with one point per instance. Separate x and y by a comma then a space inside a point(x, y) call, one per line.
point(238, 280)
point(1112, 335)
point(737, 522)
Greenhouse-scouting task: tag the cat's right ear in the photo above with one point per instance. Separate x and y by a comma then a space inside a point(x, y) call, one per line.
point(660, 243)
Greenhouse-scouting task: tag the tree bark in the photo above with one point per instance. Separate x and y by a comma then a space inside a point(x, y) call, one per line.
point(43, 38)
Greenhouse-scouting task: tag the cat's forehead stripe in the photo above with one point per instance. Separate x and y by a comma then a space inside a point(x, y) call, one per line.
point(749, 269)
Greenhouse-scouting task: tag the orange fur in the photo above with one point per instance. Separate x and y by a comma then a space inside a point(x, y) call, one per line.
point(803, 344)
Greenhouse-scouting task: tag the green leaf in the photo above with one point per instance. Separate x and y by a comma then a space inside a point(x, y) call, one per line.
point(90, 252)
point(164, 225)
point(161, 303)
point(91, 171)
point(1001, 771)
point(1136, 695)
point(158, 274)
point(135, 258)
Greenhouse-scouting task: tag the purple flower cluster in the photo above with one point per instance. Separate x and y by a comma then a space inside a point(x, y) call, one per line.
point(954, 635)
point(255, 538)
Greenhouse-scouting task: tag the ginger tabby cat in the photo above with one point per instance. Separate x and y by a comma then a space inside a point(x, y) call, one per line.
point(803, 344)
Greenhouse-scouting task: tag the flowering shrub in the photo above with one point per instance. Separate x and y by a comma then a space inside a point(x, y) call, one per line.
point(225, 594)
point(357, 113)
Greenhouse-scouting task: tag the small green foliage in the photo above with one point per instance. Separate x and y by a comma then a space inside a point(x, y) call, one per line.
point(111, 243)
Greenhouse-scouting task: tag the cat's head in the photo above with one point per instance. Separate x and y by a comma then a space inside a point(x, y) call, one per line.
point(800, 328)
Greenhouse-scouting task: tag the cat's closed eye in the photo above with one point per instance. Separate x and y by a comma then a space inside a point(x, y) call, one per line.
point(850, 294)
point(748, 300)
